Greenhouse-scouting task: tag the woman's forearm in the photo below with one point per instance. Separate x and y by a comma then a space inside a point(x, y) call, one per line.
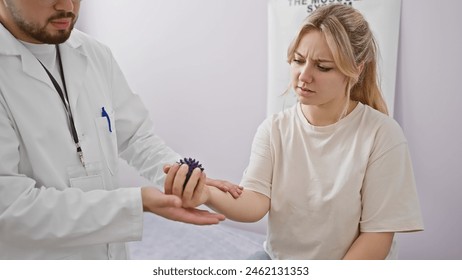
point(370, 246)
point(249, 207)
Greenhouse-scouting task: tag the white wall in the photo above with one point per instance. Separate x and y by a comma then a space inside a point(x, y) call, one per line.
point(199, 65)
point(428, 106)
point(201, 68)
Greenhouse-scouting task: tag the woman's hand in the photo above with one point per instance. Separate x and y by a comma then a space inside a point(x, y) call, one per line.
point(225, 186)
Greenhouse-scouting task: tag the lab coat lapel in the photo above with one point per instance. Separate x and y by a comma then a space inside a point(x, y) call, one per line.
point(32, 67)
point(10, 46)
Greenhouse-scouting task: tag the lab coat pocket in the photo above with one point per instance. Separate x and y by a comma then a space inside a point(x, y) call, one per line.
point(108, 140)
point(88, 183)
point(88, 178)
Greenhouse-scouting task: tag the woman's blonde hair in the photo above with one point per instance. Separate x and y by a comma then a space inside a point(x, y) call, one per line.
point(353, 47)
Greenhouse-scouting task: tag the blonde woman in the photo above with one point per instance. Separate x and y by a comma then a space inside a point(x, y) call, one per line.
point(333, 172)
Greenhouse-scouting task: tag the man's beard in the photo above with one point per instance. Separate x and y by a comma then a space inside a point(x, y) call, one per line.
point(39, 33)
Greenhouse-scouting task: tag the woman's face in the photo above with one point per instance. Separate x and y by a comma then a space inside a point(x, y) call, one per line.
point(314, 75)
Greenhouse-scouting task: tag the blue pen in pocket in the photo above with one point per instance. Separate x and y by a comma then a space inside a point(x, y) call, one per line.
point(104, 114)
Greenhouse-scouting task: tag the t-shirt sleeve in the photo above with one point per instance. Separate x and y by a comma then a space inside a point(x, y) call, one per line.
point(258, 174)
point(389, 197)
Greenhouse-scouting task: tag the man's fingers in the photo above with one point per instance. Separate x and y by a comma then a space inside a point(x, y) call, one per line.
point(201, 217)
point(179, 179)
point(166, 168)
point(192, 185)
point(169, 180)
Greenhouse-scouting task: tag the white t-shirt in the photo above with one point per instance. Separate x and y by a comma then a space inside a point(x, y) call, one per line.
point(327, 184)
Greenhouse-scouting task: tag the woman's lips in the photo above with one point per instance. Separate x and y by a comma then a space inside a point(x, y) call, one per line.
point(305, 92)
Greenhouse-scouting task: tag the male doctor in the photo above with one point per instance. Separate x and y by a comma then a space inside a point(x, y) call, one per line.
point(66, 115)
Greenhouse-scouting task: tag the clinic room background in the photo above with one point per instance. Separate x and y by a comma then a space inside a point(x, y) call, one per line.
point(201, 68)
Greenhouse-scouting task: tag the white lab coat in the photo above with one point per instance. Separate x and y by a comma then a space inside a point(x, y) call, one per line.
point(50, 206)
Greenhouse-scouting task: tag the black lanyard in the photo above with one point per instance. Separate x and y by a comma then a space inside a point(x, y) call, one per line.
point(65, 100)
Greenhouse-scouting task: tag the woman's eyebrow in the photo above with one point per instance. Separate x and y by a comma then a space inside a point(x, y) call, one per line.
point(299, 54)
point(323, 60)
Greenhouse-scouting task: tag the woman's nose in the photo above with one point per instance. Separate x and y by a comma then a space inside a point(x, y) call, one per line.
point(306, 74)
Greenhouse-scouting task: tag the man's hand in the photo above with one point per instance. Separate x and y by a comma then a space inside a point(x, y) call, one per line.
point(222, 185)
point(170, 207)
point(194, 193)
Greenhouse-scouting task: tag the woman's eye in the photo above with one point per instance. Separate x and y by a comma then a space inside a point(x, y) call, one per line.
point(324, 69)
point(298, 61)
